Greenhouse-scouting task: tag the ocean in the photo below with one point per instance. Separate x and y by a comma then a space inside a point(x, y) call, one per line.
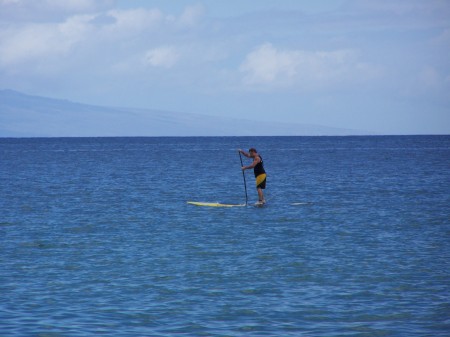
point(96, 237)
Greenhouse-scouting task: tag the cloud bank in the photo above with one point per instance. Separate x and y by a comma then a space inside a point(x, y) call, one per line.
point(269, 67)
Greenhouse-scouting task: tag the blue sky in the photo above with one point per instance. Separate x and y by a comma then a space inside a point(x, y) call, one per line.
point(381, 66)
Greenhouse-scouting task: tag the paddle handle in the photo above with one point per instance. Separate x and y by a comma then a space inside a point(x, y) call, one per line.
point(245, 182)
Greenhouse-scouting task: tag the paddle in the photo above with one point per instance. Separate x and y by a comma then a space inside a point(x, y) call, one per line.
point(245, 183)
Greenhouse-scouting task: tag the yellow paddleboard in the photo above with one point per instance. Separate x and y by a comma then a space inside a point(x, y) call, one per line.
point(212, 204)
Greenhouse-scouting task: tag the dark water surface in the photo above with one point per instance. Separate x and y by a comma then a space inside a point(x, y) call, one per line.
point(96, 237)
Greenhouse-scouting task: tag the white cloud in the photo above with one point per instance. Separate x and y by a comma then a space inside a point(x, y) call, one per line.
point(270, 67)
point(39, 41)
point(49, 10)
point(191, 15)
point(121, 34)
point(165, 57)
point(135, 20)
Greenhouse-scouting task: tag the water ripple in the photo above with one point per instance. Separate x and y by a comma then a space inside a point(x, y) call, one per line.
point(96, 238)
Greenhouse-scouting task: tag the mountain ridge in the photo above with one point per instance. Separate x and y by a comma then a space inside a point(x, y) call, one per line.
point(23, 115)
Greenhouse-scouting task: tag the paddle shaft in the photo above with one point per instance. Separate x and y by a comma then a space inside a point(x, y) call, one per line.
point(245, 182)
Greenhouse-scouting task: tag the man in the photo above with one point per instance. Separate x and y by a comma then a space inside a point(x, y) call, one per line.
point(260, 173)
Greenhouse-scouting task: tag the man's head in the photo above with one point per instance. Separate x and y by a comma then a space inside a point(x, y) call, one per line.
point(252, 152)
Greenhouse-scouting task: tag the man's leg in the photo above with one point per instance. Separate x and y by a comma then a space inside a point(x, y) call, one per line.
point(261, 195)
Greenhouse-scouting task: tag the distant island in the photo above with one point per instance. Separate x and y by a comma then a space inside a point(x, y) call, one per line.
point(23, 115)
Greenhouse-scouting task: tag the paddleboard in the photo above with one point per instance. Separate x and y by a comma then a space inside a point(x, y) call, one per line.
point(213, 204)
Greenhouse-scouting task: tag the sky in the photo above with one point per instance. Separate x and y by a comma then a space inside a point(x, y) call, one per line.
point(381, 66)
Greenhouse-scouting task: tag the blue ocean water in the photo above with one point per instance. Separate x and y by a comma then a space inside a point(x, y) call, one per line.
point(96, 237)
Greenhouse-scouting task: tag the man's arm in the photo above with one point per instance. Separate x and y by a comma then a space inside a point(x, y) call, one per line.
point(244, 153)
point(255, 162)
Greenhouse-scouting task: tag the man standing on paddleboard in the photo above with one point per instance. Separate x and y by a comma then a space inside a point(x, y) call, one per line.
point(260, 173)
